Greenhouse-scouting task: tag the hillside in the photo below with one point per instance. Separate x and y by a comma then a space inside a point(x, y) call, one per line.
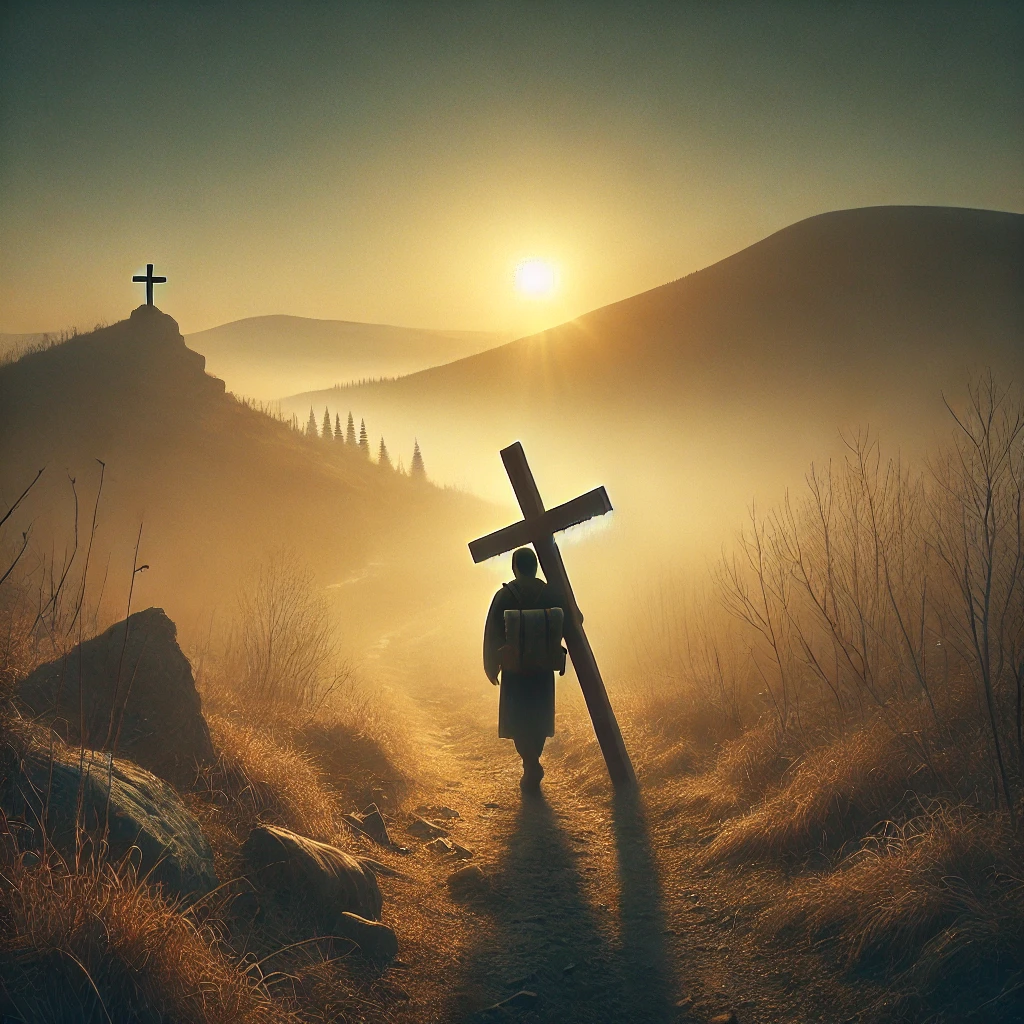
point(271, 356)
point(692, 398)
point(215, 484)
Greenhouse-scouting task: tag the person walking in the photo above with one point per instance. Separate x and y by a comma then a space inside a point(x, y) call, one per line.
point(522, 651)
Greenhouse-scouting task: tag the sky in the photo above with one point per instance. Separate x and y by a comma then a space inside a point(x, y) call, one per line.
point(395, 162)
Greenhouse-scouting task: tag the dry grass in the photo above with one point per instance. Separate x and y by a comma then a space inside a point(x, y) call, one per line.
point(259, 777)
point(98, 946)
point(744, 769)
point(834, 794)
point(942, 896)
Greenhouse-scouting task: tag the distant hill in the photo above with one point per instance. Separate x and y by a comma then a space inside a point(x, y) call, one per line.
point(215, 484)
point(692, 398)
point(273, 356)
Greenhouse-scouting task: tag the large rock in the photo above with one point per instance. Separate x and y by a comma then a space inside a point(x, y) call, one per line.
point(322, 878)
point(43, 789)
point(142, 686)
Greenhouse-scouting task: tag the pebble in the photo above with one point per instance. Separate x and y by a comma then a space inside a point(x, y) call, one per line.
point(725, 1018)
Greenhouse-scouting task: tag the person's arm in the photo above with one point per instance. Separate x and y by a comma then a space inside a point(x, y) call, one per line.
point(494, 637)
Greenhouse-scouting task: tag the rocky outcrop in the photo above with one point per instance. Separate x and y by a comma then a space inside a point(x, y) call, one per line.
point(138, 693)
point(315, 876)
point(56, 793)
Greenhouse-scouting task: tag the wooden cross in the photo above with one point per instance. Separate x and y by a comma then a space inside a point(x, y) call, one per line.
point(149, 280)
point(538, 528)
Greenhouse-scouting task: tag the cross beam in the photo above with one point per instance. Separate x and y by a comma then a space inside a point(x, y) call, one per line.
point(538, 527)
point(149, 280)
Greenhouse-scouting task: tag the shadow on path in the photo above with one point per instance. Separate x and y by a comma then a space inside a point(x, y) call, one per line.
point(648, 975)
point(543, 935)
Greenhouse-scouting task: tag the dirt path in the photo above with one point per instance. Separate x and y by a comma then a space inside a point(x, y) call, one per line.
point(595, 908)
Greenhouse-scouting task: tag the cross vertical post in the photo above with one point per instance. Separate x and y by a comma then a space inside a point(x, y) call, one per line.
point(538, 528)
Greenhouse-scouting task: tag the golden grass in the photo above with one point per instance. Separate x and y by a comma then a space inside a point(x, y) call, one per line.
point(259, 776)
point(743, 770)
point(98, 946)
point(944, 891)
point(833, 794)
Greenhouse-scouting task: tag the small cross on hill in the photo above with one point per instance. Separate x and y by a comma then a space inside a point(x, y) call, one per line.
point(149, 280)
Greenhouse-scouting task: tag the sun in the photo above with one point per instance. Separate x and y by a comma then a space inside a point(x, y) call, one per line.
point(536, 279)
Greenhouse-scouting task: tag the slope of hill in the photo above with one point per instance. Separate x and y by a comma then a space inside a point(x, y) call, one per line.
point(690, 399)
point(271, 356)
point(214, 484)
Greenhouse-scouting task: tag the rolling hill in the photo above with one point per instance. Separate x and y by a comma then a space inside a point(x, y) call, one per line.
point(691, 399)
point(270, 356)
point(214, 484)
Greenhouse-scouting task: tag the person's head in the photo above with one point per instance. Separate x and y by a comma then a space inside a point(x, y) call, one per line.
point(524, 564)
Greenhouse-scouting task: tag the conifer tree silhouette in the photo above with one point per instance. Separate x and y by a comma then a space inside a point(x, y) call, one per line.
point(383, 459)
point(350, 431)
point(338, 434)
point(326, 433)
point(364, 441)
point(311, 430)
point(416, 470)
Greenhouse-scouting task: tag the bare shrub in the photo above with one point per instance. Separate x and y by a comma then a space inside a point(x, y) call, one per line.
point(288, 642)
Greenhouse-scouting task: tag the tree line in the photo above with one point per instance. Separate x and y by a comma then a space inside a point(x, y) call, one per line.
point(337, 434)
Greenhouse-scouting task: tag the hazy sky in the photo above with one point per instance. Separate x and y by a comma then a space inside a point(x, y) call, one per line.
point(393, 162)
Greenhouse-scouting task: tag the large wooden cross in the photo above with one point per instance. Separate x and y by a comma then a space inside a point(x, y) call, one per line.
point(538, 528)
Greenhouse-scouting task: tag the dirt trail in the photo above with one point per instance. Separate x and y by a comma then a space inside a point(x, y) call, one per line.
point(596, 907)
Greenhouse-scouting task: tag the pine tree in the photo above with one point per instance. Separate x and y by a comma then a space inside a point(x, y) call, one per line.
point(338, 433)
point(311, 430)
point(364, 441)
point(326, 433)
point(383, 459)
point(416, 470)
point(350, 431)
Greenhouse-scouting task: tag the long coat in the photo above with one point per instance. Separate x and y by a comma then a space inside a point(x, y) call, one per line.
point(526, 707)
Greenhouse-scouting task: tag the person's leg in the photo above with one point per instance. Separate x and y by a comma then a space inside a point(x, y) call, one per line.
point(530, 748)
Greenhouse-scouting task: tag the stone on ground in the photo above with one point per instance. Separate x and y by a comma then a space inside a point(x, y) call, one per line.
point(467, 880)
point(442, 812)
point(138, 689)
point(326, 880)
point(376, 941)
point(441, 847)
point(131, 805)
point(371, 823)
point(424, 829)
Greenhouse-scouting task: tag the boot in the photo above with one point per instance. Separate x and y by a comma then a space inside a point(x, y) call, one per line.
point(533, 772)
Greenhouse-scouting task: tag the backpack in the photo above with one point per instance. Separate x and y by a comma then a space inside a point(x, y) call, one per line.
point(533, 640)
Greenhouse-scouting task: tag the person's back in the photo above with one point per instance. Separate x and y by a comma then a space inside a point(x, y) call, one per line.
point(526, 707)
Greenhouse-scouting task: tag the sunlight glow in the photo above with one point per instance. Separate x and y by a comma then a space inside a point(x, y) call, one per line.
point(536, 279)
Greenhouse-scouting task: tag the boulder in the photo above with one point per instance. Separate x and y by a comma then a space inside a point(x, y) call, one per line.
point(326, 880)
point(119, 800)
point(376, 941)
point(138, 690)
